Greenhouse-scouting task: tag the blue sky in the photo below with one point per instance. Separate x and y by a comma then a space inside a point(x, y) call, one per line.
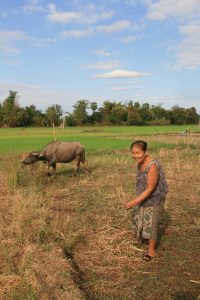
point(58, 52)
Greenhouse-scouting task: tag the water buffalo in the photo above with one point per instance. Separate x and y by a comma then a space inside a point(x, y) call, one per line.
point(59, 152)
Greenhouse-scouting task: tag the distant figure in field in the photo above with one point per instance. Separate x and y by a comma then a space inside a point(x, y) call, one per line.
point(187, 131)
point(151, 189)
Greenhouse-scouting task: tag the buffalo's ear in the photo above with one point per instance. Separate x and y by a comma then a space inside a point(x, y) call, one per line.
point(41, 155)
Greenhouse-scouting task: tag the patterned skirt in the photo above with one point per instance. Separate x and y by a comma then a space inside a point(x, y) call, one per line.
point(146, 220)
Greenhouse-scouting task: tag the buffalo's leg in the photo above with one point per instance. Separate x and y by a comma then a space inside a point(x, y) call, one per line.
point(54, 169)
point(48, 173)
point(86, 166)
point(53, 165)
point(85, 163)
point(77, 166)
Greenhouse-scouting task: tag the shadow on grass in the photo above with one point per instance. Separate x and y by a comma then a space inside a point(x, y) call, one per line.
point(183, 296)
point(69, 173)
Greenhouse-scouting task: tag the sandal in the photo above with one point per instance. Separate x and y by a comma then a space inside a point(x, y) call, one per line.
point(147, 257)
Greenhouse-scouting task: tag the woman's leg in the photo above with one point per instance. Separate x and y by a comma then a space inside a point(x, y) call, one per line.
point(150, 231)
point(157, 213)
point(151, 251)
point(152, 247)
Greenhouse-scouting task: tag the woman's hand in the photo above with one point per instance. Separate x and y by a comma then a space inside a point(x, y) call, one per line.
point(129, 205)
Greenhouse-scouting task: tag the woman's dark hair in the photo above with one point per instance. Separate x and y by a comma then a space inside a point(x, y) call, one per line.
point(141, 144)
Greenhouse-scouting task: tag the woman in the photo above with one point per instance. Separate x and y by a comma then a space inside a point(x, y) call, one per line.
point(151, 189)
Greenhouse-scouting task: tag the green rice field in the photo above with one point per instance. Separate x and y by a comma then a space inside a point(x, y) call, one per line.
point(93, 138)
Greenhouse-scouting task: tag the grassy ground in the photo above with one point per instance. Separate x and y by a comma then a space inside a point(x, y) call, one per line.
point(70, 237)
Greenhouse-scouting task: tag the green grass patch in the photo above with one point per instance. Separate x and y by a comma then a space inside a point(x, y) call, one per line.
point(94, 138)
point(91, 143)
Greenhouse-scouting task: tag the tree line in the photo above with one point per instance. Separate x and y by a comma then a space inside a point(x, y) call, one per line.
point(89, 113)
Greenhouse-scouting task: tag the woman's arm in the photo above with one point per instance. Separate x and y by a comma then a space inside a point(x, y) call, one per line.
point(152, 180)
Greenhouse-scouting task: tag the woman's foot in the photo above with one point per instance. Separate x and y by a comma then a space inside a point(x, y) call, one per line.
point(148, 257)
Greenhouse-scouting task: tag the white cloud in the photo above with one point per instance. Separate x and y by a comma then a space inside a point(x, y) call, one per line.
point(102, 52)
point(76, 33)
point(162, 98)
point(12, 35)
point(163, 9)
point(87, 15)
point(131, 2)
point(10, 62)
point(114, 27)
point(91, 13)
point(8, 38)
point(29, 8)
point(62, 17)
point(9, 41)
point(123, 88)
point(121, 74)
point(33, 6)
point(188, 50)
point(104, 65)
point(130, 39)
point(41, 42)
point(138, 2)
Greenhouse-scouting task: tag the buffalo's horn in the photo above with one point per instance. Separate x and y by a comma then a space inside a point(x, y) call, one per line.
point(35, 154)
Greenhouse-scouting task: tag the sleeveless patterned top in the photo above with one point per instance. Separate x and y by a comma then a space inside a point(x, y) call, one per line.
point(160, 190)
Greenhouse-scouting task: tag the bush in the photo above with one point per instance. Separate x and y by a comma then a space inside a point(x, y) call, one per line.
point(162, 121)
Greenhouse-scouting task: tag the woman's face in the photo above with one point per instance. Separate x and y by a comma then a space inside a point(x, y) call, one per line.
point(138, 154)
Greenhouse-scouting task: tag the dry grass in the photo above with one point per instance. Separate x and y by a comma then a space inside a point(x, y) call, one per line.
point(70, 237)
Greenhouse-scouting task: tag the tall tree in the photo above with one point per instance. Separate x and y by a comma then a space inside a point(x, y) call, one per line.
point(22, 118)
point(178, 115)
point(118, 114)
point(192, 116)
point(106, 111)
point(69, 119)
point(54, 113)
point(145, 113)
point(157, 112)
point(1, 115)
point(80, 112)
point(36, 117)
point(93, 106)
point(9, 110)
point(96, 115)
point(133, 111)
